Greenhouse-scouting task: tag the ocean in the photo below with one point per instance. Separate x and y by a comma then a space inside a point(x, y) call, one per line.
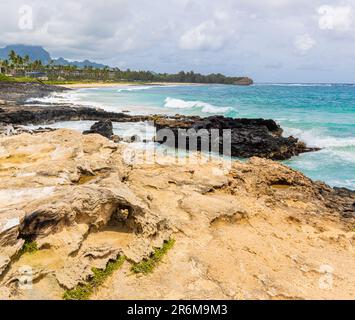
point(321, 115)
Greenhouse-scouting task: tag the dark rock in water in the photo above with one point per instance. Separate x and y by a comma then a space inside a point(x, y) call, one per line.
point(32, 114)
point(249, 137)
point(21, 91)
point(103, 128)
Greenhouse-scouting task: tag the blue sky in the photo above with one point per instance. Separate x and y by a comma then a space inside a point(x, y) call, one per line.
point(269, 40)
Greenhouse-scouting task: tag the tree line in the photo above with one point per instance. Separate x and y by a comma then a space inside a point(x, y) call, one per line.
point(24, 64)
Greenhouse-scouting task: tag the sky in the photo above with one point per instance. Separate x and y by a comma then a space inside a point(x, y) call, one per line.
point(268, 40)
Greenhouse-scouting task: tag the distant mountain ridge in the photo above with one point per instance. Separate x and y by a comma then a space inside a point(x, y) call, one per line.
point(39, 53)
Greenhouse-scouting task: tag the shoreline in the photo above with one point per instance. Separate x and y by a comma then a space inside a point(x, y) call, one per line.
point(72, 203)
point(48, 113)
point(249, 137)
point(125, 84)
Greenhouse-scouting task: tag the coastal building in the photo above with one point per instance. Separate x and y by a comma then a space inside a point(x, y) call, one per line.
point(37, 75)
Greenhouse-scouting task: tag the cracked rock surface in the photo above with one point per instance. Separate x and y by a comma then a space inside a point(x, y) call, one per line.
point(254, 230)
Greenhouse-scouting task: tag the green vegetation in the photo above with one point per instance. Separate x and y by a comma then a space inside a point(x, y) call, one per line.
point(58, 82)
point(4, 78)
point(25, 79)
point(80, 292)
point(84, 291)
point(28, 247)
point(68, 74)
point(147, 266)
point(64, 82)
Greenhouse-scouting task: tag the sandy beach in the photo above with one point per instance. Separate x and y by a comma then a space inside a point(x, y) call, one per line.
point(124, 84)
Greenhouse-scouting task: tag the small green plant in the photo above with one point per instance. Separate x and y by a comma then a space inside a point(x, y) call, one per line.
point(80, 292)
point(28, 247)
point(147, 265)
point(84, 291)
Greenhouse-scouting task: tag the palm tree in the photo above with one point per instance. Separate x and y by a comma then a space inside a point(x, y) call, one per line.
point(19, 61)
point(13, 57)
point(26, 60)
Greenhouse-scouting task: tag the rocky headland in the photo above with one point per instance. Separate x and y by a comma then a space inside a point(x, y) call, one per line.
point(73, 204)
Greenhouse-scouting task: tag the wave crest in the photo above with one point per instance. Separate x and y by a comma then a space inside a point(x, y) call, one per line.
point(173, 103)
point(138, 88)
point(315, 138)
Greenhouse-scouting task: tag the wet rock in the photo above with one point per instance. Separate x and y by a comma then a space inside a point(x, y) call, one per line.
point(103, 128)
point(249, 137)
point(9, 130)
point(21, 91)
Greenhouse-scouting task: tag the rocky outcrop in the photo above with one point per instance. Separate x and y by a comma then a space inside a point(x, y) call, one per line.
point(244, 81)
point(103, 128)
point(9, 130)
point(32, 114)
point(56, 199)
point(21, 91)
point(249, 137)
point(254, 230)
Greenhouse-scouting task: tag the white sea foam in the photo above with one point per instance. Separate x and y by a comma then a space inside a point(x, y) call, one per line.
point(296, 84)
point(317, 138)
point(83, 98)
point(123, 129)
point(205, 107)
point(53, 98)
point(138, 88)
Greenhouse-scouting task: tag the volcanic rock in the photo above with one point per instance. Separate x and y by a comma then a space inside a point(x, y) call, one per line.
point(103, 128)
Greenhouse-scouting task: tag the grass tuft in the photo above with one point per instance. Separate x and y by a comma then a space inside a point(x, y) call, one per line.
point(28, 247)
point(84, 291)
point(147, 265)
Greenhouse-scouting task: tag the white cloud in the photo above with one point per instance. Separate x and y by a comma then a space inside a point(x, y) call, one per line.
point(204, 36)
point(339, 18)
point(304, 43)
point(212, 34)
point(228, 36)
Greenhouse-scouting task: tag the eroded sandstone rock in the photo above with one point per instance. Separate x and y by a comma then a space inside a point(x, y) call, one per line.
point(254, 230)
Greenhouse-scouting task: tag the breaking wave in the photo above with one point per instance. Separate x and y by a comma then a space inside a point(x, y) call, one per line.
point(203, 106)
point(317, 138)
point(138, 88)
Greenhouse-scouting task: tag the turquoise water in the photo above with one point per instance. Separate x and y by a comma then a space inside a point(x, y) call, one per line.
point(320, 115)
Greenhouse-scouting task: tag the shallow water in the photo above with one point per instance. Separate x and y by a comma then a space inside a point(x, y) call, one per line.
point(321, 115)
